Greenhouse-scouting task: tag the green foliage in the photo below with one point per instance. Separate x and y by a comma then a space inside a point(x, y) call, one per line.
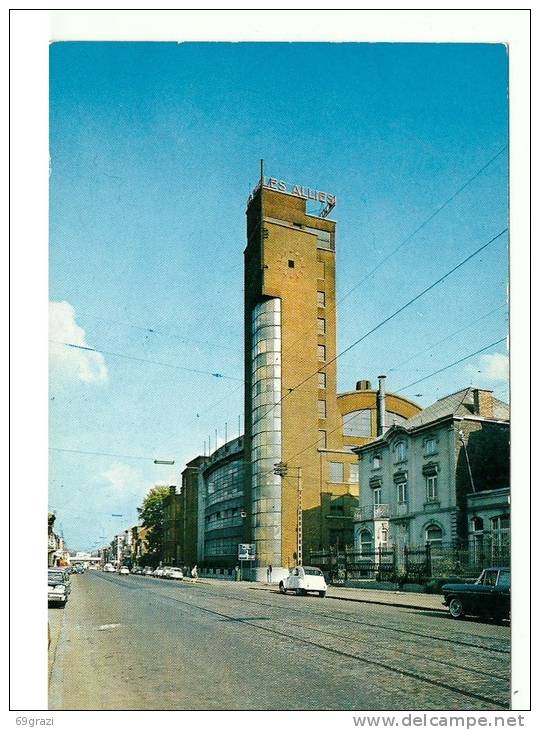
point(152, 516)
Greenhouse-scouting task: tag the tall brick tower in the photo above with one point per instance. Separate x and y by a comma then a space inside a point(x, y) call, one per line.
point(290, 336)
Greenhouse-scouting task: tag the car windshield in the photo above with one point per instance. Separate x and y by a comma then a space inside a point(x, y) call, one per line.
point(312, 571)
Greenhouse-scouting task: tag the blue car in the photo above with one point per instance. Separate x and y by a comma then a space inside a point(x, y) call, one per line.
point(488, 596)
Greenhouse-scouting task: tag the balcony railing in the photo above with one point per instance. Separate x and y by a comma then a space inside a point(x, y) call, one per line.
point(372, 512)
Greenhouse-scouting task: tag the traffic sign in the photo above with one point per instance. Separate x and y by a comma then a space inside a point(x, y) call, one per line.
point(246, 551)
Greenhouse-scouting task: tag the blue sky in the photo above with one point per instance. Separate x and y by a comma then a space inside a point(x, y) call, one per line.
point(154, 150)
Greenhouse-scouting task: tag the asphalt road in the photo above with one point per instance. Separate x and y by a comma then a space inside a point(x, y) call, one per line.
point(134, 642)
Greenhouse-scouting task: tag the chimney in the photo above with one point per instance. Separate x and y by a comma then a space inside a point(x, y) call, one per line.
point(381, 406)
point(363, 385)
point(483, 403)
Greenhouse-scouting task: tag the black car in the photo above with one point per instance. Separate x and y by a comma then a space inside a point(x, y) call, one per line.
point(488, 596)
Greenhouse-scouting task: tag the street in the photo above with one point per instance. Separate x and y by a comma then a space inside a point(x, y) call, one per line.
point(135, 642)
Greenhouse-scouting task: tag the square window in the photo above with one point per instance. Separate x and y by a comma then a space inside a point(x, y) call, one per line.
point(353, 473)
point(322, 380)
point(377, 496)
point(336, 472)
point(322, 439)
point(402, 493)
point(291, 264)
point(321, 299)
point(321, 352)
point(431, 488)
point(400, 450)
point(321, 326)
point(430, 446)
point(321, 408)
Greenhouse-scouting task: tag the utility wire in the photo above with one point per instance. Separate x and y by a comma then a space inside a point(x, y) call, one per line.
point(409, 237)
point(157, 331)
point(384, 321)
point(404, 388)
point(436, 372)
point(422, 225)
point(141, 359)
point(445, 339)
point(101, 453)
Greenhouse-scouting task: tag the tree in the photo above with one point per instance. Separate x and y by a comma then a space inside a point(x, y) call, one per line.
point(152, 516)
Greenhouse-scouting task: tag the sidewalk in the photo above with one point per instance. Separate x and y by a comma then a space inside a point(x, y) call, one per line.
point(399, 599)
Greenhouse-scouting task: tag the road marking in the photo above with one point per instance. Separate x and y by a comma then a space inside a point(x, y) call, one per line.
point(104, 627)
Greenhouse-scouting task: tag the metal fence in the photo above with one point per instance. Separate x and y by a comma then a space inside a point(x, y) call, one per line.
point(412, 564)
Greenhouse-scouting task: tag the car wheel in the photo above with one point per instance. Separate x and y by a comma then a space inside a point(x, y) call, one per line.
point(282, 588)
point(322, 594)
point(456, 608)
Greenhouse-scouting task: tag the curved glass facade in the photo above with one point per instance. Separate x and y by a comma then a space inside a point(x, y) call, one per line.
point(223, 478)
point(266, 430)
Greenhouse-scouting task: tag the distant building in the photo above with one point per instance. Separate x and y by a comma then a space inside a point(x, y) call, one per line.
point(172, 527)
point(181, 518)
point(139, 544)
point(442, 477)
point(191, 491)
point(53, 543)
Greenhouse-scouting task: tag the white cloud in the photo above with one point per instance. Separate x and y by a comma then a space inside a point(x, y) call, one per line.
point(492, 367)
point(122, 479)
point(70, 362)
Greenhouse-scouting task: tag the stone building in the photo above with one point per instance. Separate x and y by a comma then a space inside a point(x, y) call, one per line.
point(173, 520)
point(442, 477)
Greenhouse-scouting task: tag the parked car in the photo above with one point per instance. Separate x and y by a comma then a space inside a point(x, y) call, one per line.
point(148, 570)
point(108, 568)
point(137, 570)
point(59, 586)
point(488, 596)
point(174, 574)
point(304, 579)
point(158, 573)
point(123, 570)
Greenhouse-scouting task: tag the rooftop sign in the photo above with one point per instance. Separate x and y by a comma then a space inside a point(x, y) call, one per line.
point(299, 190)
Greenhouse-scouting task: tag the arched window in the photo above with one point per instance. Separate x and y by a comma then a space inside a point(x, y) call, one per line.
point(357, 423)
point(434, 535)
point(366, 542)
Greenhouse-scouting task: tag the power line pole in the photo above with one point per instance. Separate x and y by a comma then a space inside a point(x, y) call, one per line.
point(281, 469)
